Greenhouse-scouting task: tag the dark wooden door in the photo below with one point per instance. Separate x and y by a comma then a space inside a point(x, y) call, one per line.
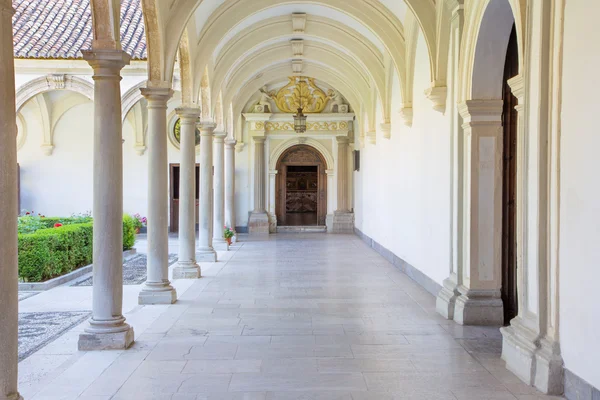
point(174, 196)
point(509, 192)
point(301, 203)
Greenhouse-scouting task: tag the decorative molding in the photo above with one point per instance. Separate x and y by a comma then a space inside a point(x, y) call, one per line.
point(386, 128)
point(53, 82)
point(437, 95)
point(298, 22)
point(310, 126)
point(279, 150)
point(297, 47)
point(406, 113)
point(372, 135)
point(300, 91)
point(239, 147)
point(297, 66)
point(131, 98)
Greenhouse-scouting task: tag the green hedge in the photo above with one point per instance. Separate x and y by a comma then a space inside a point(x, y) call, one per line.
point(48, 253)
point(51, 252)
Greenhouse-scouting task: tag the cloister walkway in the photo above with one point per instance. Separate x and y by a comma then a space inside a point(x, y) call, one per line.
point(309, 316)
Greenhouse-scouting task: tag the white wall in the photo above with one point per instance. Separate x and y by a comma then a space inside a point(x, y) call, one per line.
point(60, 184)
point(402, 192)
point(580, 192)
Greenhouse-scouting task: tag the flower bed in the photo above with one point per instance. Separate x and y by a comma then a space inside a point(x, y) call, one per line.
point(51, 247)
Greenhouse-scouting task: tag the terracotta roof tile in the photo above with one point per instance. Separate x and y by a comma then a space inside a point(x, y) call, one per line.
point(62, 28)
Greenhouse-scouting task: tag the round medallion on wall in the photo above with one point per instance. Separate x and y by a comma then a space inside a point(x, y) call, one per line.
point(175, 133)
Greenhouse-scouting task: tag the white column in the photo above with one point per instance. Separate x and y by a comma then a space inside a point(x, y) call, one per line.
point(272, 201)
point(479, 302)
point(259, 220)
point(107, 329)
point(230, 183)
point(205, 251)
point(157, 289)
point(9, 300)
point(187, 267)
point(446, 298)
point(219, 242)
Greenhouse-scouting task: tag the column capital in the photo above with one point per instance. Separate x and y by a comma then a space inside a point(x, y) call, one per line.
point(188, 113)
point(342, 139)
point(273, 172)
point(330, 172)
point(160, 95)
point(517, 86)
point(106, 62)
point(230, 143)
point(481, 111)
point(259, 139)
point(207, 128)
point(220, 136)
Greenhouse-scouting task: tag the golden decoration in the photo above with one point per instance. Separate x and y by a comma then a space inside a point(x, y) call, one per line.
point(311, 126)
point(300, 89)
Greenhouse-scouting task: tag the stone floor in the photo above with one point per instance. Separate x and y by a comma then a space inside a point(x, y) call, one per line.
point(291, 317)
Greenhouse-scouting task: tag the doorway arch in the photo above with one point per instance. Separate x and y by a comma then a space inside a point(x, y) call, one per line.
point(301, 187)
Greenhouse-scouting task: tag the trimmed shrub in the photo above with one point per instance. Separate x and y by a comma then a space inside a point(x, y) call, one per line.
point(52, 252)
point(129, 225)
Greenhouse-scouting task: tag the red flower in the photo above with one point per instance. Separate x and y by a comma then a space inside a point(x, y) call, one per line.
point(58, 225)
point(27, 213)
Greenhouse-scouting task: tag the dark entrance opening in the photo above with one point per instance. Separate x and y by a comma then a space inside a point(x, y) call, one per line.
point(302, 187)
point(509, 192)
point(174, 196)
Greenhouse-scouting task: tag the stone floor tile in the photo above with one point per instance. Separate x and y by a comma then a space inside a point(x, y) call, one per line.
point(222, 366)
point(293, 382)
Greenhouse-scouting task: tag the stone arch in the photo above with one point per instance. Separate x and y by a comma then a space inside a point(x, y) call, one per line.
point(205, 97)
point(484, 47)
point(53, 82)
point(285, 146)
point(131, 98)
point(106, 18)
point(308, 203)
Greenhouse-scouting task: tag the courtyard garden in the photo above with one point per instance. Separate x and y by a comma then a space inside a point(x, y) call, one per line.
point(54, 246)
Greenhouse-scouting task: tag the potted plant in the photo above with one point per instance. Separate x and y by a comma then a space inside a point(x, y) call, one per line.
point(140, 222)
point(228, 234)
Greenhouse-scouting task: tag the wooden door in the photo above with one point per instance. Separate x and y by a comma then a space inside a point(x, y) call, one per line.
point(301, 159)
point(509, 192)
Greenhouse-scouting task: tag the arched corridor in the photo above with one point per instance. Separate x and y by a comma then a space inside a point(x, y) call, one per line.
point(444, 150)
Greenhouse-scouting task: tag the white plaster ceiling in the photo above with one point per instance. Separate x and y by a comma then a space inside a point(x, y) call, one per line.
point(288, 9)
point(398, 7)
point(204, 11)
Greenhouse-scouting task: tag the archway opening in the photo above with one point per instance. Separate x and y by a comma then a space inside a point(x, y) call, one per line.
point(301, 187)
point(509, 179)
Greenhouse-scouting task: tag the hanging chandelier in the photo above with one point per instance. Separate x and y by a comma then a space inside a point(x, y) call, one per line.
point(300, 121)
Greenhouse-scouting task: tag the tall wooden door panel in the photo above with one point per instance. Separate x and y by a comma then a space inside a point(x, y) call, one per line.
point(174, 196)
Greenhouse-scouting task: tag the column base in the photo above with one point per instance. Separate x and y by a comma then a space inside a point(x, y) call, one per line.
point(220, 244)
point(536, 365)
point(189, 270)
point(446, 299)
point(14, 396)
point(258, 224)
point(479, 307)
point(206, 255)
point(96, 339)
point(157, 294)
point(272, 223)
point(343, 222)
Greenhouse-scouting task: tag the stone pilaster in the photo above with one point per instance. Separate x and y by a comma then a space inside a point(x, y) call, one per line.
point(157, 289)
point(230, 183)
point(219, 242)
point(9, 299)
point(272, 201)
point(259, 220)
point(187, 267)
point(479, 302)
point(107, 329)
point(205, 250)
point(343, 218)
point(446, 299)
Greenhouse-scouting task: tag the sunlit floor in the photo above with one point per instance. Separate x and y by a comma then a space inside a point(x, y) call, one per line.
point(294, 316)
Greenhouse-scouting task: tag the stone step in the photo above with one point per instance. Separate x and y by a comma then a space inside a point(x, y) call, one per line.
point(302, 229)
